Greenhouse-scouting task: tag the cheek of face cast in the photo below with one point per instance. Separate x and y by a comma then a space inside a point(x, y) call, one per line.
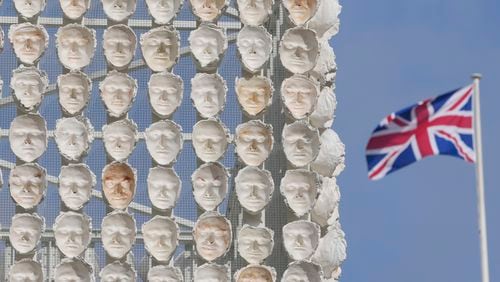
point(253, 49)
point(209, 140)
point(120, 141)
point(72, 234)
point(27, 186)
point(296, 50)
point(209, 187)
point(298, 144)
point(27, 139)
point(74, 8)
point(253, 191)
point(253, 140)
point(207, 97)
point(163, 143)
point(298, 192)
point(160, 240)
point(299, 97)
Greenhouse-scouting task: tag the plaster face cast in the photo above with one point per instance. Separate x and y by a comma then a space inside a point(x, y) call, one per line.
point(164, 141)
point(165, 273)
point(165, 92)
point(210, 140)
point(25, 232)
point(255, 273)
point(209, 185)
point(28, 137)
point(299, 95)
point(301, 239)
point(28, 9)
point(160, 48)
point(210, 272)
point(73, 270)
point(74, 9)
point(118, 234)
point(255, 244)
point(163, 11)
point(29, 41)
point(118, 182)
point(324, 114)
point(208, 44)
point(208, 93)
point(299, 50)
point(331, 158)
point(254, 94)
point(300, 188)
point(255, 12)
point(29, 85)
point(327, 204)
point(27, 184)
point(26, 270)
point(254, 188)
point(301, 143)
point(254, 46)
point(212, 236)
point(302, 271)
point(325, 70)
point(207, 10)
point(73, 137)
point(331, 251)
point(163, 187)
point(117, 272)
point(120, 138)
point(119, 10)
point(254, 142)
point(76, 182)
point(72, 233)
point(74, 91)
point(300, 10)
point(75, 46)
point(160, 237)
point(118, 91)
point(326, 20)
point(119, 43)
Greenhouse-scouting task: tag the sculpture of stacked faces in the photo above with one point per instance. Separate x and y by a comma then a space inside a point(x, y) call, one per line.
point(163, 187)
point(25, 232)
point(74, 91)
point(208, 44)
point(73, 137)
point(255, 244)
point(119, 43)
point(254, 94)
point(28, 136)
point(28, 184)
point(208, 93)
point(210, 140)
point(207, 10)
point(118, 91)
point(160, 237)
point(254, 142)
point(302, 271)
point(26, 270)
point(117, 272)
point(301, 10)
point(118, 234)
point(74, 9)
point(160, 48)
point(163, 11)
point(165, 93)
point(254, 45)
point(72, 233)
point(76, 182)
point(29, 41)
point(300, 189)
point(210, 272)
point(212, 236)
point(29, 85)
point(299, 95)
point(75, 46)
point(331, 157)
point(119, 10)
point(164, 141)
point(254, 188)
point(301, 239)
point(209, 185)
point(73, 270)
point(255, 273)
point(29, 8)
point(301, 143)
point(299, 50)
point(120, 138)
point(255, 12)
point(165, 273)
point(118, 182)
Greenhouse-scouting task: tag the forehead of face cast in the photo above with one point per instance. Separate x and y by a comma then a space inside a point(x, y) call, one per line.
point(120, 128)
point(118, 80)
point(209, 35)
point(119, 171)
point(302, 228)
point(209, 129)
point(168, 128)
point(73, 270)
point(74, 79)
point(164, 273)
point(213, 223)
point(26, 270)
point(71, 125)
point(207, 82)
point(116, 271)
point(72, 220)
point(302, 271)
point(254, 33)
point(160, 224)
point(28, 31)
point(256, 233)
point(27, 220)
point(254, 129)
point(299, 178)
point(77, 172)
point(211, 172)
point(166, 79)
point(30, 76)
point(255, 273)
point(121, 33)
point(251, 174)
point(31, 171)
point(29, 123)
point(254, 82)
point(160, 34)
point(118, 220)
point(298, 83)
point(300, 38)
point(211, 273)
point(299, 129)
point(163, 175)
point(77, 33)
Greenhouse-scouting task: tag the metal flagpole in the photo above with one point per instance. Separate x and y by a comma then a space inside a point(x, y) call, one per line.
point(480, 181)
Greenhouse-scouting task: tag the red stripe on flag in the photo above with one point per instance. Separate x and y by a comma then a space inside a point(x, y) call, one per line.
point(459, 102)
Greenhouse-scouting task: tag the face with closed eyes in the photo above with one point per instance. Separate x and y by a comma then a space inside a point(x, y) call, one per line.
point(72, 138)
point(118, 10)
point(118, 234)
point(118, 185)
point(74, 9)
point(254, 12)
point(117, 272)
point(255, 243)
point(29, 8)
point(165, 93)
point(209, 140)
point(208, 93)
point(75, 185)
point(300, 143)
point(72, 270)
point(119, 139)
point(27, 184)
point(299, 50)
point(164, 273)
point(28, 41)
point(72, 233)
point(74, 92)
point(299, 95)
point(160, 237)
point(28, 137)
point(164, 141)
point(254, 188)
point(300, 190)
point(25, 232)
point(160, 48)
point(75, 46)
point(207, 10)
point(163, 187)
point(254, 94)
point(26, 271)
point(212, 236)
point(209, 185)
point(300, 239)
point(300, 10)
point(253, 142)
point(254, 45)
point(119, 44)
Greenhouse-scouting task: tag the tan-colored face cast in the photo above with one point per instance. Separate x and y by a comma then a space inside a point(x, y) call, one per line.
point(165, 273)
point(254, 142)
point(255, 273)
point(118, 92)
point(29, 41)
point(254, 12)
point(26, 270)
point(299, 50)
point(164, 141)
point(254, 94)
point(210, 272)
point(118, 184)
point(74, 91)
point(72, 232)
point(160, 48)
point(301, 239)
point(28, 137)
point(163, 187)
point(118, 234)
point(207, 10)
point(300, 11)
point(212, 236)
point(299, 95)
point(75, 46)
point(73, 270)
point(73, 137)
point(74, 9)
point(25, 232)
point(119, 10)
point(29, 8)
point(300, 143)
point(255, 244)
point(210, 183)
point(27, 184)
point(300, 189)
point(119, 43)
point(160, 237)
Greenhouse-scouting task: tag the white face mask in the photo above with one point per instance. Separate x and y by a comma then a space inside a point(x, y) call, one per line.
point(76, 182)
point(74, 91)
point(117, 272)
point(163, 187)
point(118, 234)
point(73, 270)
point(118, 182)
point(300, 143)
point(208, 93)
point(254, 12)
point(29, 85)
point(212, 236)
point(300, 11)
point(299, 50)
point(118, 10)
point(74, 9)
point(208, 43)
point(256, 273)
point(210, 140)
point(254, 142)
point(165, 93)
point(75, 46)
point(254, 188)
point(164, 141)
point(299, 95)
point(25, 232)
point(28, 137)
point(254, 45)
point(254, 94)
point(120, 138)
point(209, 185)
point(300, 189)
point(160, 48)
point(211, 273)
point(119, 43)
point(29, 41)
point(118, 91)
point(301, 239)
point(26, 270)
point(72, 233)
point(160, 237)
point(27, 184)
point(28, 9)
point(207, 10)
point(165, 273)
point(255, 244)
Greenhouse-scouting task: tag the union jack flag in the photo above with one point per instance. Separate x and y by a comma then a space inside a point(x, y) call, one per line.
point(436, 126)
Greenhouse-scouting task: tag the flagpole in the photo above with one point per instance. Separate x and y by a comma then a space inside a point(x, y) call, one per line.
point(480, 181)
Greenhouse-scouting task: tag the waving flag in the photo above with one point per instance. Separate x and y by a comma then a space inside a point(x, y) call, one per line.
point(436, 126)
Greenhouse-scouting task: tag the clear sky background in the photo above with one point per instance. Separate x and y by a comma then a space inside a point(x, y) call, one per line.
point(420, 223)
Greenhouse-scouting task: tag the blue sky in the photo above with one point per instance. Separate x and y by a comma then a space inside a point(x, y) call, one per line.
point(420, 223)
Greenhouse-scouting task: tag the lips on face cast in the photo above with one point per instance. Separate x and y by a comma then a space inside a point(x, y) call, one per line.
point(300, 189)
point(29, 41)
point(27, 184)
point(160, 48)
point(163, 11)
point(299, 50)
point(72, 232)
point(28, 136)
point(160, 237)
point(75, 45)
point(301, 239)
point(25, 232)
point(300, 10)
point(26, 270)
point(254, 142)
point(119, 43)
point(301, 143)
point(118, 91)
point(207, 10)
point(74, 91)
point(76, 182)
point(74, 9)
point(254, 188)
point(120, 138)
point(164, 141)
point(118, 233)
point(163, 187)
point(118, 10)
point(118, 182)
point(209, 185)
point(254, 94)
point(254, 12)
point(212, 236)
point(165, 93)
point(210, 140)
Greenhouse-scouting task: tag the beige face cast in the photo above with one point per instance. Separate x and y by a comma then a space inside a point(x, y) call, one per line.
point(163, 11)
point(300, 10)
point(254, 46)
point(208, 44)
point(75, 46)
point(299, 50)
point(76, 182)
point(210, 272)
point(164, 141)
point(207, 10)
point(26, 270)
point(165, 273)
point(160, 48)
point(29, 8)
point(73, 137)
point(208, 93)
point(254, 142)
point(160, 237)
point(74, 91)
point(119, 10)
point(301, 143)
point(25, 232)
point(255, 273)
point(74, 9)
point(118, 92)
point(299, 95)
point(72, 232)
point(163, 187)
point(29, 41)
point(255, 244)
point(118, 234)
point(118, 272)
point(118, 182)
point(301, 239)
point(120, 138)
point(302, 271)
point(254, 188)
point(165, 91)
point(28, 136)
point(210, 140)
point(119, 43)
point(255, 12)
point(73, 270)
point(28, 184)
point(212, 236)
point(254, 94)
point(209, 185)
